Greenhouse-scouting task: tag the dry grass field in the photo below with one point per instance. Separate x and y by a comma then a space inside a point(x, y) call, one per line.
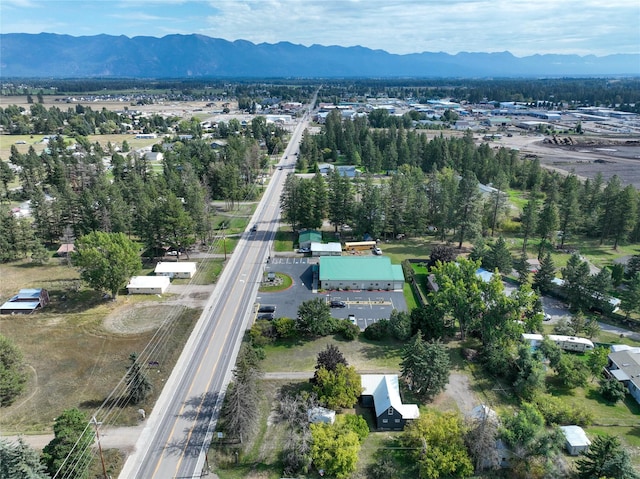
point(73, 360)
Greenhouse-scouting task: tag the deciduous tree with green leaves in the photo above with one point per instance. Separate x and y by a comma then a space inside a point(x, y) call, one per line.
point(106, 260)
point(436, 445)
point(314, 318)
point(338, 389)
point(334, 450)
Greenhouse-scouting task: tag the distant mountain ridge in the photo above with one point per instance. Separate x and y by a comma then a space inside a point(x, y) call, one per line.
point(179, 56)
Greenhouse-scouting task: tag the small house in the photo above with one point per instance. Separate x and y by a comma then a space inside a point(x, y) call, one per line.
point(382, 392)
point(26, 301)
point(306, 237)
point(148, 284)
point(176, 269)
point(577, 441)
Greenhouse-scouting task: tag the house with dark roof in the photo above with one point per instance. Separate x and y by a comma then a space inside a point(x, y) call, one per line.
point(624, 365)
point(26, 301)
point(382, 393)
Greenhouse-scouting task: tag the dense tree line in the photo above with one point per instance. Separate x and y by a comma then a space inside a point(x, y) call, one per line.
point(428, 185)
point(89, 188)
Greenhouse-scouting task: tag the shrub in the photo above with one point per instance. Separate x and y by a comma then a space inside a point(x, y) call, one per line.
point(377, 331)
point(612, 390)
point(285, 327)
point(347, 329)
point(262, 332)
point(557, 412)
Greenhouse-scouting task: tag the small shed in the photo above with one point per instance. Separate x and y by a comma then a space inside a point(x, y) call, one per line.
point(321, 415)
point(148, 284)
point(306, 237)
point(65, 250)
point(576, 440)
point(326, 249)
point(26, 301)
point(176, 269)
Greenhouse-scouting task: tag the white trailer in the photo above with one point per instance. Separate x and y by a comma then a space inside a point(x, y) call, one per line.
point(567, 343)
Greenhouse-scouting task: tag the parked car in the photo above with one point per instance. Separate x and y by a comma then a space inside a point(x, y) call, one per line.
point(304, 250)
point(352, 318)
point(377, 251)
point(337, 304)
point(267, 316)
point(266, 308)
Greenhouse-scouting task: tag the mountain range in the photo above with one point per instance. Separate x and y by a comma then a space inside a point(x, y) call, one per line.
point(47, 55)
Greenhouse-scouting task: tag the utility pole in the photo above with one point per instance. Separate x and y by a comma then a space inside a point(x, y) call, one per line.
point(96, 424)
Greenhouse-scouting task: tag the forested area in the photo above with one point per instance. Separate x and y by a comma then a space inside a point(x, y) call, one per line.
point(414, 186)
point(86, 188)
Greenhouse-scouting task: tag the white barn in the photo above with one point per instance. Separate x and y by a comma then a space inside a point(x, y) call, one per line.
point(148, 284)
point(176, 269)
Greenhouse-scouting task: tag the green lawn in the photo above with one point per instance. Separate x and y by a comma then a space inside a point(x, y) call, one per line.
point(284, 240)
point(364, 355)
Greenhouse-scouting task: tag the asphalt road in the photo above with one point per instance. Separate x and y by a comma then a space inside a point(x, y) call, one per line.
point(181, 425)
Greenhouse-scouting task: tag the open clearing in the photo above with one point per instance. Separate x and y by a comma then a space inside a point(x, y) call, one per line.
point(77, 349)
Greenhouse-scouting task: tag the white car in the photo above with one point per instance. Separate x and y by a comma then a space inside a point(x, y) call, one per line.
point(377, 251)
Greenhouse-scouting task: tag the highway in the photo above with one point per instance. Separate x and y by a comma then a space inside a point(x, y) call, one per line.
point(179, 429)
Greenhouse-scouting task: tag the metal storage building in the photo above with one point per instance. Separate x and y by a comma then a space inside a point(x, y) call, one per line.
point(148, 284)
point(576, 440)
point(326, 249)
point(360, 273)
point(176, 269)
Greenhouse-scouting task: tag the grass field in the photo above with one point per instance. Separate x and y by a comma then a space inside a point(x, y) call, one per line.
point(364, 355)
point(72, 360)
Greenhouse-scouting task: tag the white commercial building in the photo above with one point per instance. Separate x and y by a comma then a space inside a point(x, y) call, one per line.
point(148, 284)
point(176, 269)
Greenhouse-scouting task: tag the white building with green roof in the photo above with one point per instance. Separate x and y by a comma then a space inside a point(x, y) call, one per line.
point(360, 272)
point(306, 237)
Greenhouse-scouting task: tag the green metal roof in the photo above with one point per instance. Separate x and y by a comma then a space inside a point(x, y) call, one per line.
point(310, 236)
point(359, 268)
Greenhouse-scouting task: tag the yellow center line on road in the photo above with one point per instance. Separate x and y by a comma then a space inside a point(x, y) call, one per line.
point(183, 407)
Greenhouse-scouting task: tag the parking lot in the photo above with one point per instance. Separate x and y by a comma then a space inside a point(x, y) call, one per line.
point(367, 306)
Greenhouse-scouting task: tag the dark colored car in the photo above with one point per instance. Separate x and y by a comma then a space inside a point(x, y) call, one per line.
point(338, 304)
point(254, 228)
point(267, 316)
point(266, 308)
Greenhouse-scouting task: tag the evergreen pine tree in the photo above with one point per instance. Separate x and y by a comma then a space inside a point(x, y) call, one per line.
point(542, 279)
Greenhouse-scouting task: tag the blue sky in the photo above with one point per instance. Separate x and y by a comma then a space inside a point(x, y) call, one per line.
point(523, 27)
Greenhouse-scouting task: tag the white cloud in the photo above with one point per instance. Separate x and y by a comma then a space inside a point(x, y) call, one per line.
point(523, 27)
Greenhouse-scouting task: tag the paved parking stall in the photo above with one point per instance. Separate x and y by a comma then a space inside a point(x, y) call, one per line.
point(367, 306)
